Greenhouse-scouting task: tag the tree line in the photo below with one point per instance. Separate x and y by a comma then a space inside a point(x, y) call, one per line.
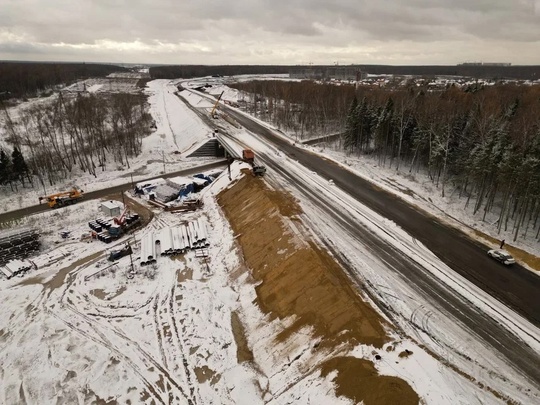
point(190, 71)
point(482, 142)
point(87, 132)
point(27, 79)
point(301, 107)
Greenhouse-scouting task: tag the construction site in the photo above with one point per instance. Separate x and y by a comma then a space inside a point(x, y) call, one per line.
point(228, 272)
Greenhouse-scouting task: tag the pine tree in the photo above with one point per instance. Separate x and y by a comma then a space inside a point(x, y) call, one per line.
point(20, 169)
point(6, 169)
point(351, 126)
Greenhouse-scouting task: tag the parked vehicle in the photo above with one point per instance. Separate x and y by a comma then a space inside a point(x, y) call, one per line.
point(259, 170)
point(117, 254)
point(64, 198)
point(502, 256)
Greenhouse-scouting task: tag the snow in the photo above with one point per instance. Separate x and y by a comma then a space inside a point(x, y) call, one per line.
point(419, 190)
point(177, 130)
point(81, 330)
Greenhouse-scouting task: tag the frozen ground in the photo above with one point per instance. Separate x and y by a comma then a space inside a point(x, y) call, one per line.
point(77, 331)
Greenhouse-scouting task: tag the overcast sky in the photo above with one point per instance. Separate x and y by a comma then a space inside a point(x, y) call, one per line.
point(271, 32)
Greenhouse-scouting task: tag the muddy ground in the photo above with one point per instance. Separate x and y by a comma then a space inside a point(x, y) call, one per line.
point(298, 280)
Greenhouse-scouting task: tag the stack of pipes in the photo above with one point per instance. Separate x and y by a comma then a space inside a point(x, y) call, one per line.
point(148, 249)
point(174, 240)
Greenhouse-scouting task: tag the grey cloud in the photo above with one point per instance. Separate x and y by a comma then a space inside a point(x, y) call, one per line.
point(276, 30)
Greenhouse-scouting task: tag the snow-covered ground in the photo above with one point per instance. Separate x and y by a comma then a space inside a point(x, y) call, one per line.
point(167, 334)
point(447, 332)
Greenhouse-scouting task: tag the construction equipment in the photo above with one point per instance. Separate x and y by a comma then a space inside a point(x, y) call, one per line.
point(249, 157)
point(117, 254)
point(259, 171)
point(62, 199)
point(215, 106)
point(122, 218)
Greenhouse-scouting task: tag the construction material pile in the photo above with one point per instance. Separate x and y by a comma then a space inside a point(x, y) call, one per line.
point(173, 241)
point(16, 267)
point(18, 244)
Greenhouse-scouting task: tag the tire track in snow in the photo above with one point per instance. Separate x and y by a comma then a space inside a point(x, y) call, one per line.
point(108, 345)
point(180, 345)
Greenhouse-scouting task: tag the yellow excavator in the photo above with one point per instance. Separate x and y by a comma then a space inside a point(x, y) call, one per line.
point(64, 198)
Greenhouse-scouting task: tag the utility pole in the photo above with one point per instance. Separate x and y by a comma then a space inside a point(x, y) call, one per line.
point(131, 257)
point(163, 159)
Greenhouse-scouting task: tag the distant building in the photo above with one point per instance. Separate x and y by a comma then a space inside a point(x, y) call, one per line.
point(307, 73)
point(347, 73)
point(485, 64)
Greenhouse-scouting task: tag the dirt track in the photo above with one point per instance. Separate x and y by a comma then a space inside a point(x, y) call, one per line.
point(298, 280)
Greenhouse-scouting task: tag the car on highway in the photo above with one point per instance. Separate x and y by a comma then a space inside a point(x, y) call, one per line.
point(502, 256)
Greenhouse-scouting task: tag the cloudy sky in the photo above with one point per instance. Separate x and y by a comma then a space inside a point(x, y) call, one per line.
point(271, 31)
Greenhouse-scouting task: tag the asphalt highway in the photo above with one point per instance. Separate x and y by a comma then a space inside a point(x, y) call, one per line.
point(35, 209)
point(514, 286)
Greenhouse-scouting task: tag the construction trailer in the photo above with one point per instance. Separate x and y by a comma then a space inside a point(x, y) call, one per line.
point(110, 208)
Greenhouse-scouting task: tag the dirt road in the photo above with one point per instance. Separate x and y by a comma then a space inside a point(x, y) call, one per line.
point(35, 209)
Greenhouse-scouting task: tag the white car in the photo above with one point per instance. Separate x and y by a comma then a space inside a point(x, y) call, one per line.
point(502, 255)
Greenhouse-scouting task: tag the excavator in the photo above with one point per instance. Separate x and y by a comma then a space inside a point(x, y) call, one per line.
point(64, 198)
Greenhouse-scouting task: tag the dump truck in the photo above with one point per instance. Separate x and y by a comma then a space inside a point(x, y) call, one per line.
point(64, 198)
point(248, 156)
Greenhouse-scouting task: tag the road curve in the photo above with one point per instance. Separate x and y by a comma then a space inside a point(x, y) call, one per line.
point(35, 209)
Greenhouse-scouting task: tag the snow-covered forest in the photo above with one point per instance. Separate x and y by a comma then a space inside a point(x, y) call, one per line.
point(83, 132)
point(482, 142)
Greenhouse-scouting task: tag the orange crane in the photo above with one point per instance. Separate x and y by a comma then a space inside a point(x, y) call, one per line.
point(64, 198)
point(122, 218)
point(215, 105)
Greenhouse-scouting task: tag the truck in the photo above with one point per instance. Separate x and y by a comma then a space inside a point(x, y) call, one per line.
point(117, 254)
point(64, 198)
point(249, 157)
